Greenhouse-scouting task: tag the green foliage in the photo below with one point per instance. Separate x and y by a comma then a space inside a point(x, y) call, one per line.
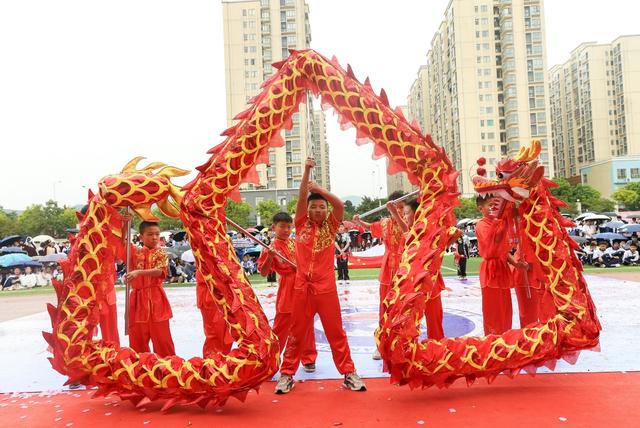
point(166, 222)
point(367, 204)
point(8, 224)
point(629, 196)
point(467, 209)
point(292, 205)
point(589, 197)
point(266, 210)
point(349, 210)
point(238, 212)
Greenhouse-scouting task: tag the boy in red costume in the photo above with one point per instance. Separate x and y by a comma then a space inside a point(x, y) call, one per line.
point(495, 276)
point(390, 231)
point(433, 308)
point(149, 308)
point(315, 288)
point(268, 262)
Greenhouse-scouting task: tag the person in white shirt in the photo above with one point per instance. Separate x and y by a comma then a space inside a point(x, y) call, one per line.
point(589, 229)
point(598, 255)
point(631, 256)
point(613, 254)
point(28, 279)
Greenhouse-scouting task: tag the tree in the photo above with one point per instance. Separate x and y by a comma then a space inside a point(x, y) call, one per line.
point(368, 204)
point(466, 209)
point(589, 197)
point(266, 210)
point(292, 205)
point(629, 196)
point(238, 212)
point(31, 221)
point(8, 223)
point(166, 222)
point(349, 210)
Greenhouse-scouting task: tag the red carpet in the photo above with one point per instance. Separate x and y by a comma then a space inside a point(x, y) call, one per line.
point(547, 400)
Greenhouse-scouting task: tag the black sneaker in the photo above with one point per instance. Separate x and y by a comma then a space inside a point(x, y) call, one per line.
point(353, 382)
point(309, 368)
point(285, 384)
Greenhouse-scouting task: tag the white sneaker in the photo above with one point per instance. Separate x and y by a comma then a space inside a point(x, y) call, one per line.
point(353, 382)
point(285, 384)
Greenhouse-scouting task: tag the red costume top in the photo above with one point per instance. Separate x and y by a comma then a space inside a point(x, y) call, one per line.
point(286, 247)
point(148, 300)
point(493, 247)
point(314, 254)
point(391, 235)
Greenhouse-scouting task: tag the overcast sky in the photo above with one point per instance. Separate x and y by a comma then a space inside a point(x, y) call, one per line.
point(87, 85)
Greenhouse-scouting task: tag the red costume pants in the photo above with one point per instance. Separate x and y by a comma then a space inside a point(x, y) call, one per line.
point(158, 332)
point(109, 325)
point(433, 314)
point(305, 306)
point(496, 310)
point(216, 332)
point(282, 329)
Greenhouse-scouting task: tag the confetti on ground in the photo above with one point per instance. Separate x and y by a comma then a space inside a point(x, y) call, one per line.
point(108, 414)
point(420, 422)
point(562, 418)
point(452, 410)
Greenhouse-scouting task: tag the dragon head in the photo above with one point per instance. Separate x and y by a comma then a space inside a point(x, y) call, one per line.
point(139, 189)
point(514, 177)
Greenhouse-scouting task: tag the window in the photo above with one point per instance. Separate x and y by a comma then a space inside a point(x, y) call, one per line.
point(490, 122)
point(622, 174)
point(635, 172)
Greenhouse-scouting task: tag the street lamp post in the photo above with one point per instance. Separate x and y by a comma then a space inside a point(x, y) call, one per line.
point(579, 206)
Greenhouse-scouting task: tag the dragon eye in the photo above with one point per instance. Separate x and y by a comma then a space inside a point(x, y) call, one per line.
point(502, 175)
point(499, 175)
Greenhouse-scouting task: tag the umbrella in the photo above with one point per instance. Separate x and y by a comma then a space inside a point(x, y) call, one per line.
point(53, 258)
point(583, 215)
point(42, 238)
point(187, 257)
point(610, 214)
point(179, 236)
point(464, 222)
point(252, 230)
point(8, 240)
point(253, 251)
point(630, 228)
point(12, 250)
point(596, 217)
point(72, 230)
point(613, 224)
point(610, 236)
point(14, 259)
point(579, 239)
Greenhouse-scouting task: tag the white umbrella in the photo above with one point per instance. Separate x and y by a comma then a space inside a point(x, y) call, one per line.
point(187, 257)
point(596, 217)
point(583, 215)
point(42, 238)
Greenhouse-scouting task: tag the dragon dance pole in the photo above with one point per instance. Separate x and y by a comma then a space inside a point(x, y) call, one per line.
point(259, 242)
point(127, 269)
point(383, 207)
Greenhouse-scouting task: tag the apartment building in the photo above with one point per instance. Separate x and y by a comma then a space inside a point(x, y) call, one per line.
point(483, 89)
point(595, 118)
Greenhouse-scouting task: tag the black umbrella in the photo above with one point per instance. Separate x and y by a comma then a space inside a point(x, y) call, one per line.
point(179, 236)
point(8, 240)
point(12, 250)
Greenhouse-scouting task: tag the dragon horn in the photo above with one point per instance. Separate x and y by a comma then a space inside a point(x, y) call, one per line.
point(153, 166)
point(172, 171)
point(131, 165)
point(527, 154)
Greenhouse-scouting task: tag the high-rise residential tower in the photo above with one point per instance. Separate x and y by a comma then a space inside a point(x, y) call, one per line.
point(256, 34)
point(595, 118)
point(485, 89)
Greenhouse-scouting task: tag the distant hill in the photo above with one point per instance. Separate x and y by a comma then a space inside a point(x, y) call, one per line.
point(355, 200)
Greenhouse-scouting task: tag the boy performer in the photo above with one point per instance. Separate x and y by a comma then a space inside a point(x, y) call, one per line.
point(433, 312)
point(149, 308)
point(268, 262)
point(390, 231)
point(315, 288)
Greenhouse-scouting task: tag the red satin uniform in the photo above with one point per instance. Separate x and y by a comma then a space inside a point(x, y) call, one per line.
point(216, 331)
point(495, 275)
point(149, 308)
point(391, 235)
point(284, 300)
point(106, 298)
point(315, 292)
